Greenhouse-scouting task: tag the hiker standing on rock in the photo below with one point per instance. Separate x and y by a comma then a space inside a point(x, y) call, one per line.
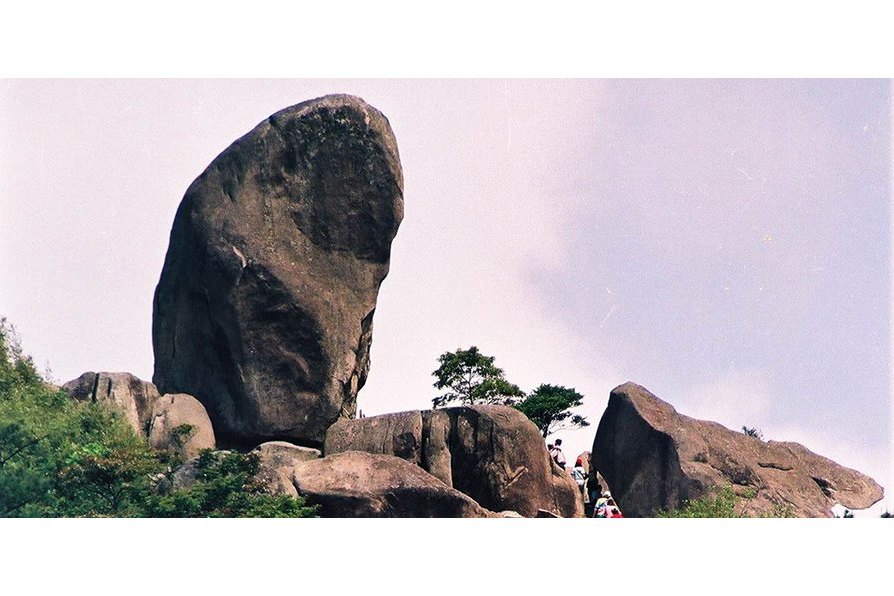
point(557, 455)
point(611, 509)
point(599, 509)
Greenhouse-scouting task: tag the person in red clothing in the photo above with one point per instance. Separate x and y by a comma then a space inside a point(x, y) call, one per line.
point(611, 509)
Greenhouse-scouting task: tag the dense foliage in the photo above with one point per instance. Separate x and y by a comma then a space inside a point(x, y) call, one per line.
point(226, 486)
point(64, 458)
point(470, 378)
point(549, 407)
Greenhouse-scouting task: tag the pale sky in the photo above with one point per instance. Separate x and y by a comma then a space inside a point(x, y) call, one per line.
point(723, 243)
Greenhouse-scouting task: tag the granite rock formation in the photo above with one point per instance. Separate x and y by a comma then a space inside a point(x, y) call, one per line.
point(180, 424)
point(133, 398)
point(276, 460)
point(359, 484)
point(493, 454)
point(265, 303)
point(655, 459)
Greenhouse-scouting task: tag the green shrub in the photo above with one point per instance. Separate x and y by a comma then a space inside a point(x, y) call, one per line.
point(64, 458)
point(226, 486)
point(723, 503)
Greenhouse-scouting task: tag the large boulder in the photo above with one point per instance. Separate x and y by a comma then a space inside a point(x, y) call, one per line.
point(265, 304)
point(494, 454)
point(276, 460)
point(359, 484)
point(180, 424)
point(133, 398)
point(655, 458)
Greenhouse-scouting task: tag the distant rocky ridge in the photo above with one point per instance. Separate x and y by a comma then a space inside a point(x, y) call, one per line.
point(654, 458)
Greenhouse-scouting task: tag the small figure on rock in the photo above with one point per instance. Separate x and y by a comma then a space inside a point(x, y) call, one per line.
point(611, 509)
point(600, 508)
point(557, 455)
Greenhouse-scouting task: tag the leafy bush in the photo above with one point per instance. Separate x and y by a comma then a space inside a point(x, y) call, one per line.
point(226, 486)
point(723, 503)
point(64, 458)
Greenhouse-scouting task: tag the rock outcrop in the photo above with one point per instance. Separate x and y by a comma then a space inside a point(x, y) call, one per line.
point(655, 458)
point(123, 391)
point(276, 461)
point(265, 304)
point(180, 424)
point(359, 484)
point(493, 454)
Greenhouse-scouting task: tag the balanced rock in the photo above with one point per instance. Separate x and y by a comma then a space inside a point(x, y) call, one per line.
point(133, 398)
point(493, 454)
point(265, 304)
point(655, 459)
point(357, 484)
point(180, 424)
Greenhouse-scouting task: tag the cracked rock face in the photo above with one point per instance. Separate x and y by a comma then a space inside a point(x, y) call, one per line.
point(133, 398)
point(655, 458)
point(358, 484)
point(265, 304)
point(493, 454)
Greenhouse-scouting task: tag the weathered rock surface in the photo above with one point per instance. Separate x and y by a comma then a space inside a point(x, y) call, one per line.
point(359, 484)
point(493, 454)
point(180, 423)
point(277, 460)
point(655, 458)
point(123, 391)
point(265, 304)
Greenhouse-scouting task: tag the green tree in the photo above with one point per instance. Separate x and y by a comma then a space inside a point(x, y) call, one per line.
point(470, 378)
point(59, 457)
point(549, 407)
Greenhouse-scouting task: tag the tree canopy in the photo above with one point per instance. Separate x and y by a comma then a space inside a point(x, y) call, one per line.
point(470, 378)
point(549, 407)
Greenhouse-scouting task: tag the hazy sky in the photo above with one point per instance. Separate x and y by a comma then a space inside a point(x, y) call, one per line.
point(723, 243)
